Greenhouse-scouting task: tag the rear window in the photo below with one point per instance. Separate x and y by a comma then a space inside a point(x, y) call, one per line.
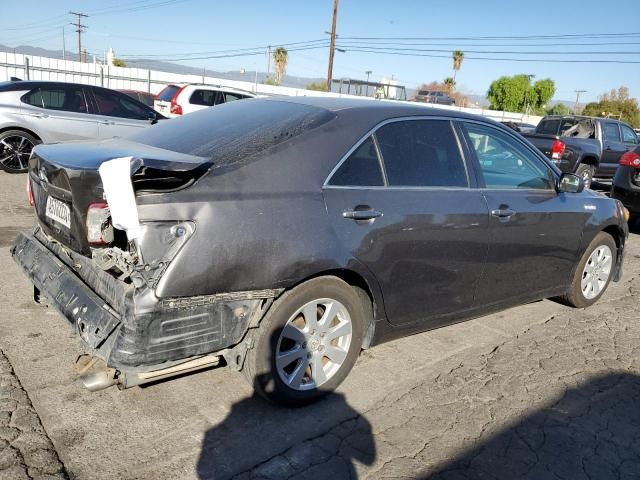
point(550, 127)
point(168, 93)
point(234, 131)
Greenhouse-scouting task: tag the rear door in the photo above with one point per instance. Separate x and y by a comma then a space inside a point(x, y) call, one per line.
point(120, 115)
point(612, 149)
point(403, 204)
point(535, 231)
point(60, 113)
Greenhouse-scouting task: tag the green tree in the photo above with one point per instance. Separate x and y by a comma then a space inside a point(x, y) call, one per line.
point(516, 93)
point(560, 109)
point(317, 86)
point(118, 62)
point(458, 57)
point(616, 103)
point(280, 59)
point(449, 84)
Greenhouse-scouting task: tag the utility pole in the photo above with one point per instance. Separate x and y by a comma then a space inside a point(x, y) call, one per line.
point(332, 46)
point(64, 48)
point(79, 29)
point(269, 61)
point(368, 72)
point(577, 92)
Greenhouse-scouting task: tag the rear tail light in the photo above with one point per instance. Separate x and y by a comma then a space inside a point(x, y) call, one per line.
point(557, 149)
point(630, 159)
point(30, 192)
point(175, 108)
point(99, 226)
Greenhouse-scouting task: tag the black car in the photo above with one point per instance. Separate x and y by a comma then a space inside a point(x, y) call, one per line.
point(285, 235)
point(626, 182)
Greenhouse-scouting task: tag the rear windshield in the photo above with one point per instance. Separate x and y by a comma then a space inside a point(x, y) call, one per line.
point(234, 131)
point(168, 93)
point(549, 127)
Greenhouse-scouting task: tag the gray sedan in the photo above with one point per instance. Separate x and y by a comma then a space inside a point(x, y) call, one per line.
point(34, 112)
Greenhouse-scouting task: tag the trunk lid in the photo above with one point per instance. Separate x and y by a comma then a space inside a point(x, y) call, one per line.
point(65, 181)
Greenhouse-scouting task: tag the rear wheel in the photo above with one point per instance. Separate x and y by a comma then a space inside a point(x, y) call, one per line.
point(307, 343)
point(586, 172)
point(593, 274)
point(15, 150)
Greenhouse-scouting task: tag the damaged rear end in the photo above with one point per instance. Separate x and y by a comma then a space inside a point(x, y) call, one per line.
point(113, 217)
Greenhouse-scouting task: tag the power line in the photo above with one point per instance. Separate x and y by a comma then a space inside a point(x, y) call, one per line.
point(509, 52)
point(513, 37)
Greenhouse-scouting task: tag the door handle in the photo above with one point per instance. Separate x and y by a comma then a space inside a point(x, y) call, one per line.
point(41, 115)
point(503, 213)
point(106, 122)
point(361, 214)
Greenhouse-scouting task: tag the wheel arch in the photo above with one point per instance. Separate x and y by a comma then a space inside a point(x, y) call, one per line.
point(589, 160)
point(359, 281)
point(21, 129)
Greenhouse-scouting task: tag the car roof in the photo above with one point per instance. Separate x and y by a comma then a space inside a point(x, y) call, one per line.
point(29, 84)
point(381, 108)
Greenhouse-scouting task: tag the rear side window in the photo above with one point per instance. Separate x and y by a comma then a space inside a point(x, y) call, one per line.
point(67, 99)
point(361, 169)
point(421, 153)
point(611, 132)
point(208, 98)
point(168, 93)
point(549, 127)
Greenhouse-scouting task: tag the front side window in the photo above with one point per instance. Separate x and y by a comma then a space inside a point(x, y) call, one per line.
point(67, 99)
point(628, 135)
point(611, 132)
point(505, 162)
point(230, 97)
point(361, 169)
point(119, 105)
point(207, 98)
point(421, 153)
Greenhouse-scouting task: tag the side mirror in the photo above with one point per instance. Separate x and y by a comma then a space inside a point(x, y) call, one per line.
point(570, 183)
point(153, 118)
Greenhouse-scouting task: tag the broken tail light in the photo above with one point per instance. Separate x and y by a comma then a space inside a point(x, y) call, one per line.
point(99, 226)
point(557, 149)
point(30, 192)
point(630, 159)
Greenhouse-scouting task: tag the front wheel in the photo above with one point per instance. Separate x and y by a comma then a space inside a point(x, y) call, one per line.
point(15, 150)
point(307, 343)
point(586, 172)
point(593, 274)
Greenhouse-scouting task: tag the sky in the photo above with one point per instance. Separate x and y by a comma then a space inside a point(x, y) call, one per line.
point(171, 29)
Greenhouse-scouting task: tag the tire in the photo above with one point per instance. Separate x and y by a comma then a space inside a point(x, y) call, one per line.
point(586, 172)
point(284, 332)
point(576, 296)
point(15, 150)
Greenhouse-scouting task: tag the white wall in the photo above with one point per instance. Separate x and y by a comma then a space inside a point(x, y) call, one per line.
point(43, 68)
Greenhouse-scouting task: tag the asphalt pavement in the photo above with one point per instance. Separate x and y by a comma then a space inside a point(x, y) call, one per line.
point(538, 391)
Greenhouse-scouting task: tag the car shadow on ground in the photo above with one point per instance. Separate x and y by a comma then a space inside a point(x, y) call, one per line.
point(258, 439)
point(592, 432)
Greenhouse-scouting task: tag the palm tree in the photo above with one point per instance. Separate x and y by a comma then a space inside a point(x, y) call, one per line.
point(280, 57)
point(450, 84)
point(458, 57)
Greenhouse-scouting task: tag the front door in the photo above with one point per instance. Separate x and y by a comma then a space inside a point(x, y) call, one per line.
point(612, 149)
point(535, 231)
point(119, 115)
point(403, 204)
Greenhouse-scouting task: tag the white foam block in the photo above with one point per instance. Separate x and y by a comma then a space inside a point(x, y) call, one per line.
point(118, 190)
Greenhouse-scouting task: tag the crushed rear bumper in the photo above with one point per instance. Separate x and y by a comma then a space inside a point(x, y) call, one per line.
point(129, 328)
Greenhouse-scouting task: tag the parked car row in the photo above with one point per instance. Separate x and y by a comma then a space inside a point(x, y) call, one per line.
point(285, 235)
point(33, 112)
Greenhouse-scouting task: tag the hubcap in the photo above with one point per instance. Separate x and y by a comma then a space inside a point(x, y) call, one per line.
point(313, 344)
point(586, 177)
point(15, 152)
point(596, 272)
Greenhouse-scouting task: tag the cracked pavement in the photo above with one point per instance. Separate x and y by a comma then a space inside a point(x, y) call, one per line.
point(539, 391)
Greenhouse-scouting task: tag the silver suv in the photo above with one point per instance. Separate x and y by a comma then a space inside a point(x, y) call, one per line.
point(34, 112)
